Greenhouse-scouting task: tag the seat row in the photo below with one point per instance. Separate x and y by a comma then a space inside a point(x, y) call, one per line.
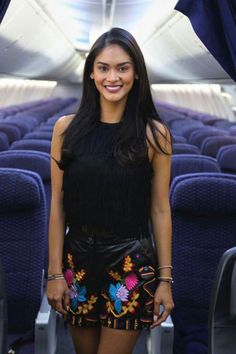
point(196, 201)
point(25, 194)
point(15, 125)
point(204, 221)
point(198, 133)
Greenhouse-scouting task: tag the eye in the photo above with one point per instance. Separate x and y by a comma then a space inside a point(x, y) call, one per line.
point(123, 68)
point(102, 68)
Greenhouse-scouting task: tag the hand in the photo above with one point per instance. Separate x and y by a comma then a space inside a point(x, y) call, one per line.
point(163, 296)
point(58, 295)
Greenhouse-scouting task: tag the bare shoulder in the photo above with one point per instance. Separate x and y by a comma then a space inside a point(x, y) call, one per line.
point(62, 123)
point(162, 136)
point(57, 137)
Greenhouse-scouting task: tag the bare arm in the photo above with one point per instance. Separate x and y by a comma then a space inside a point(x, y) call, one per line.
point(57, 289)
point(57, 217)
point(161, 219)
point(160, 207)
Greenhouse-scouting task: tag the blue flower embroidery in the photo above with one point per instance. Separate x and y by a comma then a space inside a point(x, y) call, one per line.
point(118, 293)
point(77, 294)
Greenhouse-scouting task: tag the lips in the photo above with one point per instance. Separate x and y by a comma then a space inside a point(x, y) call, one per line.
point(113, 88)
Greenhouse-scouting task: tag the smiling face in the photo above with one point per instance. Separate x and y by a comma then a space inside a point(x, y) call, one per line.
point(113, 74)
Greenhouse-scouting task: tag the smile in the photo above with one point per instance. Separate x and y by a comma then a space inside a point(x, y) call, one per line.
point(114, 88)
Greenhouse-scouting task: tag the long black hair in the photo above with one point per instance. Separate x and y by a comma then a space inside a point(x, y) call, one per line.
point(130, 145)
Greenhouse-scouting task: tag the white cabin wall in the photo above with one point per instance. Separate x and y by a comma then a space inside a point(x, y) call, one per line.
point(17, 91)
point(204, 98)
point(231, 91)
point(65, 90)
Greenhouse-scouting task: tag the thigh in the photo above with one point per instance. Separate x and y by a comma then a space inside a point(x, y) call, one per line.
point(85, 340)
point(117, 341)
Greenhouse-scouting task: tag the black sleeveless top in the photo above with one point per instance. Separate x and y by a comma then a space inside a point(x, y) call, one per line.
point(101, 195)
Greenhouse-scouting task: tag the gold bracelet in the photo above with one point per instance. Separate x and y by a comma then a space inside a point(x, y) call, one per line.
point(55, 277)
point(165, 278)
point(166, 281)
point(165, 266)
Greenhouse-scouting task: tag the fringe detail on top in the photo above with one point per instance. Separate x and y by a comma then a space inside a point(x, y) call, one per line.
point(101, 194)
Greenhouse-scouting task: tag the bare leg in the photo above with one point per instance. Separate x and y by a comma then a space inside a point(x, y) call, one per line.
point(117, 341)
point(85, 339)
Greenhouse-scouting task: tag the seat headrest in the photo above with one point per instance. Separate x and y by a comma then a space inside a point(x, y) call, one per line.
point(19, 190)
point(204, 194)
point(35, 161)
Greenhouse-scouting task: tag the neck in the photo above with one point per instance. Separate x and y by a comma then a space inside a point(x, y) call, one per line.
point(112, 111)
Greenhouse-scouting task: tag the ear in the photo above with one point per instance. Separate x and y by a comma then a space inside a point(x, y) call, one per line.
point(136, 77)
point(91, 76)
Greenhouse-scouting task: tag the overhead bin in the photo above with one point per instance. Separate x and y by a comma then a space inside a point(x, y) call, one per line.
point(174, 53)
point(31, 45)
point(48, 39)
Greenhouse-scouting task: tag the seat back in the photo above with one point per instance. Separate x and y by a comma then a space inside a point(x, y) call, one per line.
point(32, 144)
point(3, 313)
point(226, 158)
point(186, 130)
point(211, 145)
point(179, 139)
point(232, 130)
point(179, 148)
point(197, 137)
point(4, 143)
point(38, 162)
point(44, 135)
point(222, 313)
point(11, 131)
point(204, 223)
point(22, 244)
point(182, 164)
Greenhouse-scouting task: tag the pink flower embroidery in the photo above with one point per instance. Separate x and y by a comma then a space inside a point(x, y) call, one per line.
point(68, 276)
point(122, 293)
point(131, 280)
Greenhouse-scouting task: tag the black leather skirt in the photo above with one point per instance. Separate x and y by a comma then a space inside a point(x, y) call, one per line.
point(112, 280)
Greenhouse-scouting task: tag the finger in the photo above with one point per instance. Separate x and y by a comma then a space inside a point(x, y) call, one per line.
point(59, 308)
point(66, 301)
point(163, 317)
point(156, 320)
point(51, 302)
point(156, 311)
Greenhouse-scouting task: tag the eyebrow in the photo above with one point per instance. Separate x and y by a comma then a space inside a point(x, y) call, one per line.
point(125, 62)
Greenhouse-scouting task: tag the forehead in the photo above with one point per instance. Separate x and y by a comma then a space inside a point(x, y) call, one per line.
point(113, 54)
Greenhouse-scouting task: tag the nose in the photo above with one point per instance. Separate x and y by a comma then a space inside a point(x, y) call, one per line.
point(112, 76)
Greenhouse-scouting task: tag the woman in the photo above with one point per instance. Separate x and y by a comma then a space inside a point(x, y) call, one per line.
point(110, 173)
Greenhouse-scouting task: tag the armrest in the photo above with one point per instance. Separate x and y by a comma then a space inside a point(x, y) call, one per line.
point(45, 329)
point(162, 338)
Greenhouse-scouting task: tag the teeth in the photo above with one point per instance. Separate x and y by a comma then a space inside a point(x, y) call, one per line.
point(113, 88)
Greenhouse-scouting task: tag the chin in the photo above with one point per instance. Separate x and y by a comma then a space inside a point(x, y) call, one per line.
point(114, 99)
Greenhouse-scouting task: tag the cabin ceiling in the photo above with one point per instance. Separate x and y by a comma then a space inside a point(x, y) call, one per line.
point(48, 39)
point(84, 20)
